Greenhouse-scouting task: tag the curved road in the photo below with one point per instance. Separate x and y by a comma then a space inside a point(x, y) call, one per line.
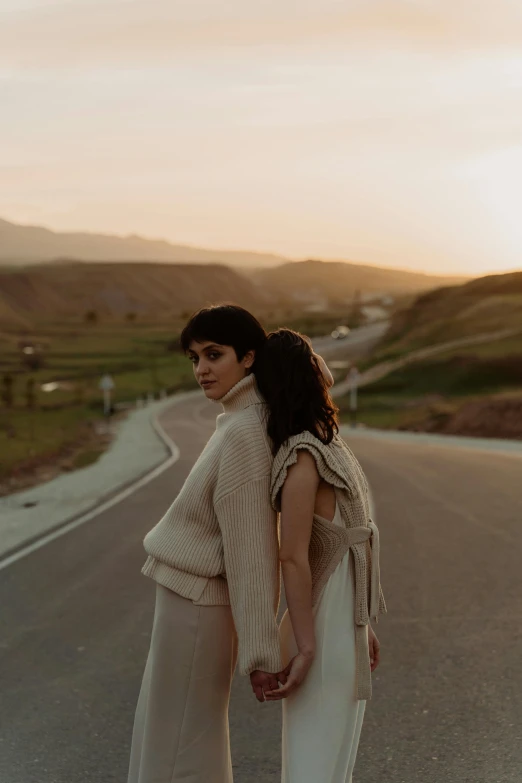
point(358, 342)
point(76, 617)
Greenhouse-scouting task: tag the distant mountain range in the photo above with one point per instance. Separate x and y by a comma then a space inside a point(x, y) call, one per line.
point(46, 275)
point(20, 245)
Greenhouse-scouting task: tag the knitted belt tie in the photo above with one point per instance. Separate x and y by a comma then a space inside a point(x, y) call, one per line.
point(375, 572)
point(358, 535)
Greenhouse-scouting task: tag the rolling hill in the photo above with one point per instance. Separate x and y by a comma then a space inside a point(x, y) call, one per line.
point(338, 281)
point(452, 362)
point(486, 304)
point(152, 291)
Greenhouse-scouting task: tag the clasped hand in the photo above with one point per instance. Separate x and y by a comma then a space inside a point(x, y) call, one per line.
point(273, 687)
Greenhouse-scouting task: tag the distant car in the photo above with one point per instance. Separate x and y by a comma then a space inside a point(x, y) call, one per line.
point(340, 332)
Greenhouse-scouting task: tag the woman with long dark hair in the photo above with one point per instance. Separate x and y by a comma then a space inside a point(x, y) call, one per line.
point(329, 551)
point(214, 558)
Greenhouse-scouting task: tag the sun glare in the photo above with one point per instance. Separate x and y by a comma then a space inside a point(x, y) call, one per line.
point(497, 177)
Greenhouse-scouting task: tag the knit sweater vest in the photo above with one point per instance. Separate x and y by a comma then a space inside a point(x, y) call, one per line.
point(218, 543)
point(329, 542)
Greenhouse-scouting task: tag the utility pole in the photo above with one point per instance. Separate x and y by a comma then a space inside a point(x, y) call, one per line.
point(106, 385)
point(353, 380)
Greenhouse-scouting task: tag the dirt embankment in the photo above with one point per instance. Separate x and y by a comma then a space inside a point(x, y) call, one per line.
point(496, 417)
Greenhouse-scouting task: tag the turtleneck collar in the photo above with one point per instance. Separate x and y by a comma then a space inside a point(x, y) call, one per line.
point(244, 393)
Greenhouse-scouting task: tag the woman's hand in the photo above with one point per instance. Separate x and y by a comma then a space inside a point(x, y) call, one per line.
point(295, 673)
point(262, 682)
point(374, 648)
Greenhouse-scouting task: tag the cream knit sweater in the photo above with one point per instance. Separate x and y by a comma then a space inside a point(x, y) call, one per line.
point(218, 542)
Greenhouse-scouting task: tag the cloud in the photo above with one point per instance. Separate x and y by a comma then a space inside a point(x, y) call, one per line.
point(145, 32)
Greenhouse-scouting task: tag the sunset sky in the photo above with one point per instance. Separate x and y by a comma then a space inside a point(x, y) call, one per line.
point(380, 131)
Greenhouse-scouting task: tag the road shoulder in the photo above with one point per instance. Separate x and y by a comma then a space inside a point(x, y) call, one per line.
point(511, 447)
point(139, 446)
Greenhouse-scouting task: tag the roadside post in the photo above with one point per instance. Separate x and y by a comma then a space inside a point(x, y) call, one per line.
point(353, 380)
point(106, 385)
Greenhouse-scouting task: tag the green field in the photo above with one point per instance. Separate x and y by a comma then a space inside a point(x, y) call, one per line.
point(137, 357)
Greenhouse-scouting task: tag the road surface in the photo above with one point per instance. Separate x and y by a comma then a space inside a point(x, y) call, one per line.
point(76, 617)
point(358, 342)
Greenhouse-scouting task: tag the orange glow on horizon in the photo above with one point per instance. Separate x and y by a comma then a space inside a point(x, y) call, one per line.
point(387, 133)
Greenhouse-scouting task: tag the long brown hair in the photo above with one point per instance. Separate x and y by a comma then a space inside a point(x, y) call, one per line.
point(290, 379)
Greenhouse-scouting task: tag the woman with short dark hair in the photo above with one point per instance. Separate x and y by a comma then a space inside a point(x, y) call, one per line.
point(330, 559)
point(214, 557)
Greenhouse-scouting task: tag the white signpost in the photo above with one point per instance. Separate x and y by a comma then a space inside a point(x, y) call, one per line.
point(353, 380)
point(106, 385)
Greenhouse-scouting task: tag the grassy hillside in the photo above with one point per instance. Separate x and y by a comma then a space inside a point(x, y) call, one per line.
point(486, 304)
point(54, 292)
point(471, 390)
point(339, 281)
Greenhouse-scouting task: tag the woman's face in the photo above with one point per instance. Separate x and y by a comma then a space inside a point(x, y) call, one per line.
point(216, 367)
point(325, 371)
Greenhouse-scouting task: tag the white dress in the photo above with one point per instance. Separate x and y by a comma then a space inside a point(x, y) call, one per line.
point(322, 720)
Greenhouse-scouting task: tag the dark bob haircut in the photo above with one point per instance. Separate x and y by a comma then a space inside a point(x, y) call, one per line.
point(290, 379)
point(226, 324)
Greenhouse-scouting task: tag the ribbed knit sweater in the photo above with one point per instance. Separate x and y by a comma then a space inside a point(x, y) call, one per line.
point(218, 544)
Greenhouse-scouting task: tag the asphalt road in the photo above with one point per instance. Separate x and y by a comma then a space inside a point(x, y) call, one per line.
point(357, 343)
point(76, 617)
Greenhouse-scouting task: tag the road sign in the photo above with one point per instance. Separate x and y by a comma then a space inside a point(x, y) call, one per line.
point(106, 385)
point(353, 375)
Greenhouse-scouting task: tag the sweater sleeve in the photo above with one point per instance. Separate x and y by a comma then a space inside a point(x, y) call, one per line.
point(251, 552)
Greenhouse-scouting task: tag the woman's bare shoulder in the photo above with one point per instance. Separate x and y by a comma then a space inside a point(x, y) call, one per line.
point(304, 468)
